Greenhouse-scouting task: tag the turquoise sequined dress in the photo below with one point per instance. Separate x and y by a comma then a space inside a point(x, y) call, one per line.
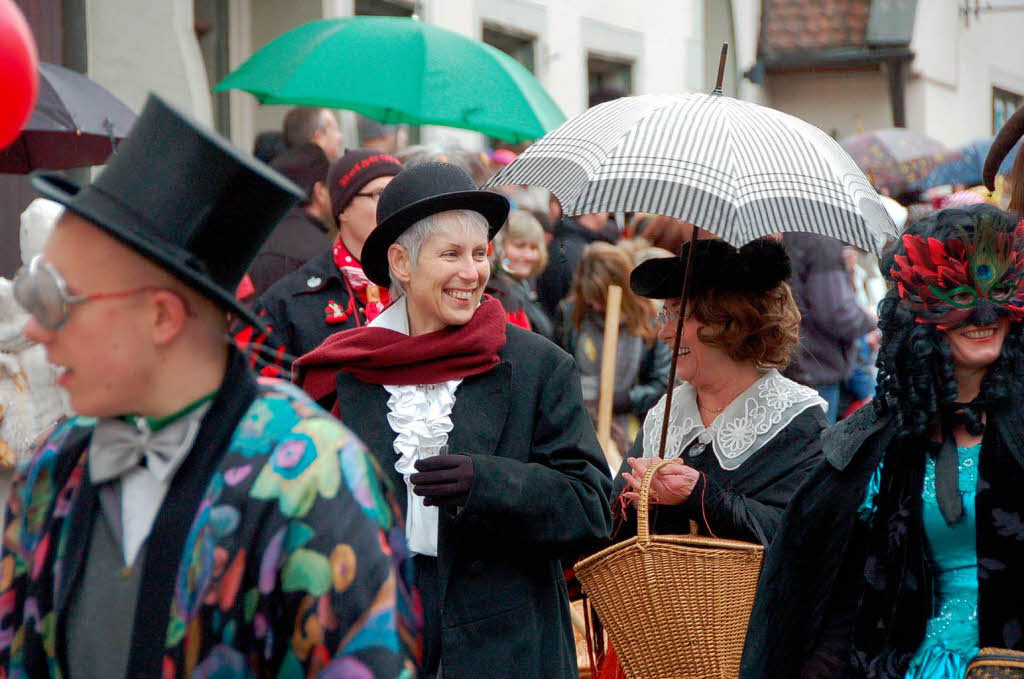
point(951, 636)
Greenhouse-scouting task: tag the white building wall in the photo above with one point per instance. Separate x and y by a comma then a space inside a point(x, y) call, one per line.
point(846, 102)
point(149, 48)
point(662, 38)
point(956, 65)
point(153, 47)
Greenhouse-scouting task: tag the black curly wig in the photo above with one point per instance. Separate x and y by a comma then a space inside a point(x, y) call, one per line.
point(916, 380)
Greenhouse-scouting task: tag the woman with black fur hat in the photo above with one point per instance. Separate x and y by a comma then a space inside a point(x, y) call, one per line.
point(743, 436)
point(902, 555)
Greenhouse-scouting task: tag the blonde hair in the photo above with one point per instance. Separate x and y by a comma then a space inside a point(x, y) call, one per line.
point(604, 264)
point(521, 225)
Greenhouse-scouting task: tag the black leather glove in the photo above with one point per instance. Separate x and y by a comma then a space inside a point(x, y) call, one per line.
point(443, 479)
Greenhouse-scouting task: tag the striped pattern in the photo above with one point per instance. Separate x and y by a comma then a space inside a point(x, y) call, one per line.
point(740, 170)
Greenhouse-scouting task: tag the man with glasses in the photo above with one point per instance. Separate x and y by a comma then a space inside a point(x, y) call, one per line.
point(190, 520)
point(330, 292)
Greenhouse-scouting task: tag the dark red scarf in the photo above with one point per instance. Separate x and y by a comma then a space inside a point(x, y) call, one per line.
point(382, 356)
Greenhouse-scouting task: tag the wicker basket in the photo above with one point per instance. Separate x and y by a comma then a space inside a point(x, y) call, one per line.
point(673, 605)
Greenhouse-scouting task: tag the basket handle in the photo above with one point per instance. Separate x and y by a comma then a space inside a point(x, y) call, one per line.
point(643, 507)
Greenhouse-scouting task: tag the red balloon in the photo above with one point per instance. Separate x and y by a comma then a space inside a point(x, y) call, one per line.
point(19, 72)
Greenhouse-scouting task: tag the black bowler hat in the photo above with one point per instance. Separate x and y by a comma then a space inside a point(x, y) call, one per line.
point(185, 198)
point(755, 268)
point(419, 192)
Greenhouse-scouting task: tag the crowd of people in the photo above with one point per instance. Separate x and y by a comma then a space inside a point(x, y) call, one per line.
point(333, 414)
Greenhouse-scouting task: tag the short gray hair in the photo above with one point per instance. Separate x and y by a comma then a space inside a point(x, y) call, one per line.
point(412, 239)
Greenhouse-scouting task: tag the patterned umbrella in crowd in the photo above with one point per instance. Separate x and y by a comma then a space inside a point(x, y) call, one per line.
point(737, 169)
point(969, 169)
point(896, 159)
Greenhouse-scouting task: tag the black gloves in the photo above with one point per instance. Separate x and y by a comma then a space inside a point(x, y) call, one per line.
point(443, 479)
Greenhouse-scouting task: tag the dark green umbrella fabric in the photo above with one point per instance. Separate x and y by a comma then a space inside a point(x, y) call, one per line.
point(398, 70)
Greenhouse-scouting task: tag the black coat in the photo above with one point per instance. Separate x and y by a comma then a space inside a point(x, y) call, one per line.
point(540, 492)
point(566, 250)
point(746, 503)
point(830, 318)
point(297, 238)
point(295, 308)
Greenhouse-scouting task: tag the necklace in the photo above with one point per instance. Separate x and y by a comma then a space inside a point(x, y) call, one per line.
point(714, 411)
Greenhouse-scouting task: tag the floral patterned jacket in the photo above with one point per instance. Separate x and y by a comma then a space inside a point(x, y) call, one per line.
point(291, 558)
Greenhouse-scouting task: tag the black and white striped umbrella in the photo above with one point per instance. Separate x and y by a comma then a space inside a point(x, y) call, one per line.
point(737, 169)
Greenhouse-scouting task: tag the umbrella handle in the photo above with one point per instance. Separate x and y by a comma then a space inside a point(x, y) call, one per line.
point(687, 278)
point(721, 68)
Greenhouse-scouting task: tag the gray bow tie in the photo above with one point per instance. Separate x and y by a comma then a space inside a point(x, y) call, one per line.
point(118, 446)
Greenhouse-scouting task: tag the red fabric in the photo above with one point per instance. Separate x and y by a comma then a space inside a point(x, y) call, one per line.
point(373, 298)
point(382, 356)
point(610, 668)
point(518, 318)
point(245, 288)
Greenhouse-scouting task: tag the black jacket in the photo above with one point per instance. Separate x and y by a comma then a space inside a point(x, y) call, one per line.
point(515, 296)
point(746, 503)
point(296, 309)
point(540, 492)
point(566, 250)
point(831, 320)
point(296, 239)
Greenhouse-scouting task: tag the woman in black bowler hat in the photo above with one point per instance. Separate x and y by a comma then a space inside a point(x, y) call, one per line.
point(483, 425)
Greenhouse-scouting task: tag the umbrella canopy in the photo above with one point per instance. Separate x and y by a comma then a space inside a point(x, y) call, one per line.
point(398, 70)
point(969, 169)
point(75, 123)
point(896, 158)
point(737, 169)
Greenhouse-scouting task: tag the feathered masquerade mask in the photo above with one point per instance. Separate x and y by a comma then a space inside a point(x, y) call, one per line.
point(974, 279)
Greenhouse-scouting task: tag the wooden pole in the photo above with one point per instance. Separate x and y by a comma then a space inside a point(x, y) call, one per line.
point(607, 389)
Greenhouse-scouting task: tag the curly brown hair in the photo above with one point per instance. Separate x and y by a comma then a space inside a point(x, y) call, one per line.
point(763, 328)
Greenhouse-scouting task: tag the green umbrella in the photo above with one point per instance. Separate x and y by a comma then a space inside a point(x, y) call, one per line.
point(398, 70)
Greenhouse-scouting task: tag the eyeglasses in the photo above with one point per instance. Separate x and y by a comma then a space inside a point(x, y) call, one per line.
point(41, 291)
point(665, 317)
point(374, 196)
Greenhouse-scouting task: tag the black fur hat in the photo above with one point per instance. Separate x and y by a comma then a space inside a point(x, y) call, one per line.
point(755, 268)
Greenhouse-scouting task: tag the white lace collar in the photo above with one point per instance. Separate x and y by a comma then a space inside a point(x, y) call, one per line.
point(748, 423)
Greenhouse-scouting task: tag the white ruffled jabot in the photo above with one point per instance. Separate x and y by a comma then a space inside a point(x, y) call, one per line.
point(750, 421)
point(421, 417)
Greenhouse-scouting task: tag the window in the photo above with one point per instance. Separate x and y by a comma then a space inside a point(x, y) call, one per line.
point(385, 8)
point(516, 44)
point(604, 74)
point(1004, 104)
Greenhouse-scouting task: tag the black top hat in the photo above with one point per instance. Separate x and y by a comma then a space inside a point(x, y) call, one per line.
point(755, 268)
point(185, 198)
point(419, 192)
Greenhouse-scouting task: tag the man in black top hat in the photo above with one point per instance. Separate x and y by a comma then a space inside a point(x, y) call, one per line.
point(190, 521)
point(307, 229)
